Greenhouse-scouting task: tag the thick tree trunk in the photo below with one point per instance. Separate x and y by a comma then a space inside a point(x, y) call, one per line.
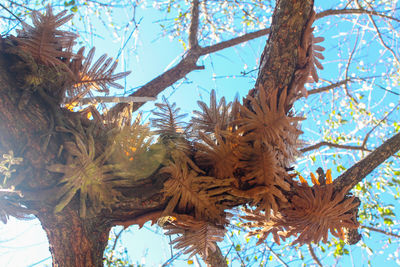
point(73, 241)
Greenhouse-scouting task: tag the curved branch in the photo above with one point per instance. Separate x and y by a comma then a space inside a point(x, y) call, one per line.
point(379, 231)
point(332, 12)
point(317, 261)
point(328, 87)
point(324, 143)
point(358, 171)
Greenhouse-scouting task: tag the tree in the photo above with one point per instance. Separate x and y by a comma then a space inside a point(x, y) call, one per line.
point(241, 153)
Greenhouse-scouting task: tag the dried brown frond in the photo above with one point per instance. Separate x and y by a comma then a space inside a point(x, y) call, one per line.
point(266, 120)
point(188, 191)
point(316, 210)
point(168, 120)
point(309, 53)
point(219, 152)
point(196, 236)
point(212, 116)
point(264, 226)
point(261, 168)
point(98, 77)
point(11, 207)
point(43, 41)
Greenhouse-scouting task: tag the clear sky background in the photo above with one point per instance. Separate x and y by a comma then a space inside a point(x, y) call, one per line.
point(148, 54)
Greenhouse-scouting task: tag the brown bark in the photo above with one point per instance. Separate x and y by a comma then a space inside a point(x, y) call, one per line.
point(73, 241)
point(28, 130)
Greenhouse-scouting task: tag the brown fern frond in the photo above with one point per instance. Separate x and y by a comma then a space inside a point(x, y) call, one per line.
point(189, 191)
point(262, 226)
point(43, 41)
point(266, 120)
point(168, 121)
point(212, 116)
point(219, 153)
point(12, 207)
point(98, 77)
point(316, 210)
point(196, 236)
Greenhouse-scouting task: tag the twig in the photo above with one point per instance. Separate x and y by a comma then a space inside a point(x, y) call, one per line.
point(384, 118)
point(328, 87)
point(276, 255)
point(379, 231)
point(317, 261)
point(116, 238)
point(184, 67)
point(324, 143)
point(15, 16)
point(346, 88)
point(332, 12)
point(379, 33)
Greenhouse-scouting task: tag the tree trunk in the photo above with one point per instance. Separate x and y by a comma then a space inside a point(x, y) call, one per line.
point(74, 241)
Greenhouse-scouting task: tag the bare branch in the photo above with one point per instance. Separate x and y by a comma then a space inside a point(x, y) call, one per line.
point(379, 231)
point(184, 67)
point(234, 41)
point(328, 87)
point(324, 143)
point(194, 25)
point(317, 261)
point(379, 34)
point(115, 99)
point(358, 171)
point(332, 12)
point(276, 255)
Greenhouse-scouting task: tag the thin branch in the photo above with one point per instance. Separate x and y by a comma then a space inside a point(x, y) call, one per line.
point(184, 67)
point(384, 118)
point(15, 16)
point(346, 88)
point(276, 255)
point(332, 12)
point(358, 171)
point(379, 231)
point(234, 41)
point(379, 33)
point(317, 261)
point(324, 143)
point(194, 25)
point(116, 239)
point(328, 87)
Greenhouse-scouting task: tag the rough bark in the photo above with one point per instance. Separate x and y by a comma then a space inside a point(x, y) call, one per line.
point(28, 130)
point(73, 241)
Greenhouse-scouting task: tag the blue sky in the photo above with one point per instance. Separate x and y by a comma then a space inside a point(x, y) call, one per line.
point(148, 56)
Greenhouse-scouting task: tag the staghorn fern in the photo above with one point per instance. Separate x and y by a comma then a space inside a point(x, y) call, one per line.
point(87, 77)
point(43, 41)
point(196, 236)
point(85, 174)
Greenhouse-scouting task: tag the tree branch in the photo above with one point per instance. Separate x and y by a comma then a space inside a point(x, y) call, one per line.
point(358, 171)
point(194, 25)
point(328, 87)
point(324, 143)
point(184, 67)
point(379, 231)
point(332, 12)
point(317, 261)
